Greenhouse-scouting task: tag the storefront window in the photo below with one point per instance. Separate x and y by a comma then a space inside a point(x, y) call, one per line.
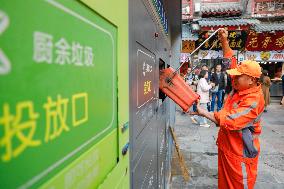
point(275, 72)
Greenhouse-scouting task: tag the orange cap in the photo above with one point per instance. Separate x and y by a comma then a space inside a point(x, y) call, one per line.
point(248, 67)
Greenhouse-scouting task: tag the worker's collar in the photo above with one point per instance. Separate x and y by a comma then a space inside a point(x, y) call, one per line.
point(250, 90)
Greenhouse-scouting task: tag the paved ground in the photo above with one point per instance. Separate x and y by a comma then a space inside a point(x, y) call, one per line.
point(200, 152)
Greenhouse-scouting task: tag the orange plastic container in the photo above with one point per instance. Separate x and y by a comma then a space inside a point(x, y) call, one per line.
point(175, 87)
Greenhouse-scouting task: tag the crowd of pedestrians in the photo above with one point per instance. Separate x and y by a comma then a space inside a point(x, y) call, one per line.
point(214, 85)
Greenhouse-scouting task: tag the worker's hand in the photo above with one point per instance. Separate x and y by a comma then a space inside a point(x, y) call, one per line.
point(223, 34)
point(200, 111)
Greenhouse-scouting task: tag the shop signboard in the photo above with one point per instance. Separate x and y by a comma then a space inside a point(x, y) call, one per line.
point(210, 54)
point(265, 56)
point(265, 41)
point(188, 46)
point(237, 40)
point(58, 89)
point(187, 9)
point(262, 8)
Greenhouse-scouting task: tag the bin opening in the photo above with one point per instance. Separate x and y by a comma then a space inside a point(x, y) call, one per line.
point(162, 65)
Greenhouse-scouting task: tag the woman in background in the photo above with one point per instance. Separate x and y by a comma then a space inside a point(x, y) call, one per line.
point(203, 90)
point(265, 85)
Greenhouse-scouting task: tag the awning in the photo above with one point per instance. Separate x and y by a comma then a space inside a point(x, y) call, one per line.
point(228, 7)
point(187, 34)
point(227, 22)
point(268, 27)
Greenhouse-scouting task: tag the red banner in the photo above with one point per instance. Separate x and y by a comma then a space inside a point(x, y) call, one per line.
point(265, 41)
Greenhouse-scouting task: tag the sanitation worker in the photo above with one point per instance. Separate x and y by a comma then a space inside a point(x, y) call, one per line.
point(239, 122)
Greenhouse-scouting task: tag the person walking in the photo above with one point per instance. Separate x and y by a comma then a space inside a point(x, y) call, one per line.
point(239, 122)
point(205, 67)
point(218, 78)
point(265, 85)
point(203, 90)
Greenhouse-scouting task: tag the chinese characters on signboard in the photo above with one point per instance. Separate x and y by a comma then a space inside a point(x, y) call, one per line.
point(5, 64)
point(265, 41)
point(145, 77)
point(20, 123)
point(53, 78)
point(147, 69)
point(237, 40)
point(61, 52)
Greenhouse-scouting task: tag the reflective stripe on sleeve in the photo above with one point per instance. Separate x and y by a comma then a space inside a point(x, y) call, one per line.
point(258, 118)
point(244, 112)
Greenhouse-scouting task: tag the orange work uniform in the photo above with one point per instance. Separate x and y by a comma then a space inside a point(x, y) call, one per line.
point(238, 143)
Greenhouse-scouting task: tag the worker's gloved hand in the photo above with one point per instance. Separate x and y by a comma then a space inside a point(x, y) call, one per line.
point(223, 34)
point(200, 111)
point(223, 37)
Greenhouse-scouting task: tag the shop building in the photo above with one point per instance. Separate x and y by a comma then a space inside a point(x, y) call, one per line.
point(211, 52)
point(265, 44)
